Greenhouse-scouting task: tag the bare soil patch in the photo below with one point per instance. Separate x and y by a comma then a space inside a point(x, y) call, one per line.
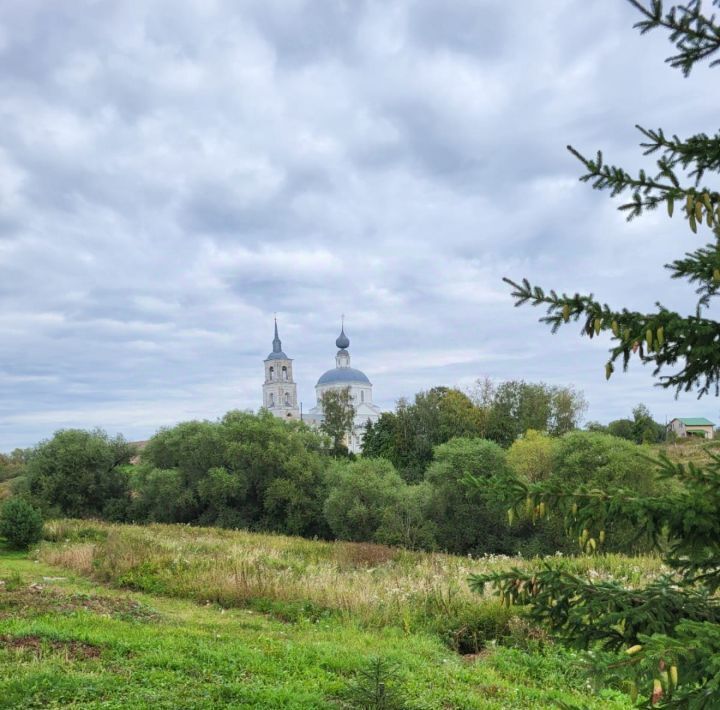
point(76, 650)
point(36, 599)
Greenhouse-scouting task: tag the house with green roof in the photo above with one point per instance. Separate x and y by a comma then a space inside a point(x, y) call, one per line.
point(692, 426)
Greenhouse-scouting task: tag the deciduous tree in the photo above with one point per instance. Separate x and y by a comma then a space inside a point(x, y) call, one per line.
point(338, 416)
point(80, 474)
point(245, 470)
point(359, 494)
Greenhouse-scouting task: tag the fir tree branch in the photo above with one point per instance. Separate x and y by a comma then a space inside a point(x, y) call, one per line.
point(649, 192)
point(584, 612)
point(663, 338)
point(699, 150)
point(700, 267)
point(695, 35)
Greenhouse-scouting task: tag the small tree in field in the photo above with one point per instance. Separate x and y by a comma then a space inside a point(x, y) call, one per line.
point(663, 639)
point(20, 524)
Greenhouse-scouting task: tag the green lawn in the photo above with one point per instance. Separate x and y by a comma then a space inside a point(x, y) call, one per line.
point(66, 641)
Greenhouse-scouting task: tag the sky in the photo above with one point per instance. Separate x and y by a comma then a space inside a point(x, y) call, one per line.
point(174, 174)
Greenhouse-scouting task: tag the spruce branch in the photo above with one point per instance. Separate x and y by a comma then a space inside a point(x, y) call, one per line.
point(695, 35)
point(700, 151)
point(663, 338)
point(669, 628)
point(701, 267)
point(700, 205)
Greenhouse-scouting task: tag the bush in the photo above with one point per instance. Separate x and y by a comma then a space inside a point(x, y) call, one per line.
point(161, 498)
point(360, 493)
point(531, 456)
point(20, 524)
point(467, 520)
point(473, 627)
point(251, 471)
point(405, 522)
point(80, 474)
point(609, 463)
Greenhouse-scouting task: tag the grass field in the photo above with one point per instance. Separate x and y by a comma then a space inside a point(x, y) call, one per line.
point(177, 617)
point(689, 450)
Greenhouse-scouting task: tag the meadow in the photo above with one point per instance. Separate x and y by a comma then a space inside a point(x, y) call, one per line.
point(102, 615)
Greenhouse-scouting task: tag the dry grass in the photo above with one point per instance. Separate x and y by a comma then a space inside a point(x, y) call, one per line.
point(78, 557)
point(689, 450)
point(372, 584)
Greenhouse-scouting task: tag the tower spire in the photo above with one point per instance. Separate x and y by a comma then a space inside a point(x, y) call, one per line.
point(277, 344)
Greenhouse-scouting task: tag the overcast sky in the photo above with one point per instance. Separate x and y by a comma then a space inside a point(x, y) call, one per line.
point(173, 173)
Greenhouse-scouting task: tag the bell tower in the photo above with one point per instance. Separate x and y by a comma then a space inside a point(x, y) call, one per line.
point(279, 388)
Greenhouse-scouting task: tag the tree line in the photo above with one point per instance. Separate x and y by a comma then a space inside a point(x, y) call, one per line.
point(257, 472)
point(500, 413)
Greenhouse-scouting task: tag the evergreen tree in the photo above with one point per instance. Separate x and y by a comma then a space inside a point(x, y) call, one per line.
point(663, 338)
point(662, 639)
point(20, 524)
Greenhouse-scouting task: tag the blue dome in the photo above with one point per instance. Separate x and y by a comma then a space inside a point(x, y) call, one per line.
point(340, 375)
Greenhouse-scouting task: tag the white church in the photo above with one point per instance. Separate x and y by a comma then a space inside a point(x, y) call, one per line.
point(280, 389)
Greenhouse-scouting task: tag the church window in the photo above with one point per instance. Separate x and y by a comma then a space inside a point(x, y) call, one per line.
point(287, 399)
point(272, 373)
point(284, 373)
point(271, 400)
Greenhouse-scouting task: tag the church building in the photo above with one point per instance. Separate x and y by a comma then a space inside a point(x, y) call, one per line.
point(341, 377)
point(280, 390)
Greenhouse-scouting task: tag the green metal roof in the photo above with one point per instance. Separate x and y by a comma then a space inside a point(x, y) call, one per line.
point(695, 421)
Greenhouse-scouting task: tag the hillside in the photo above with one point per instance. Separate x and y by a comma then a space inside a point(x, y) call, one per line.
point(170, 616)
point(689, 450)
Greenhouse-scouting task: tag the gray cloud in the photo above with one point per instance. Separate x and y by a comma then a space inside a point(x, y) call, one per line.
point(171, 175)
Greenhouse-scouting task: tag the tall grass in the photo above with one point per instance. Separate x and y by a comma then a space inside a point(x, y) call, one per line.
point(370, 584)
point(689, 450)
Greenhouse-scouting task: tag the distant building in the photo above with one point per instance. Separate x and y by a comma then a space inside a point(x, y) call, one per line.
point(692, 426)
point(341, 377)
point(279, 388)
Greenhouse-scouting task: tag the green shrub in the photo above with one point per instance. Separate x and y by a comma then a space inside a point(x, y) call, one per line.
point(467, 520)
point(360, 493)
point(470, 629)
point(243, 471)
point(80, 474)
point(20, 524)
point(602, 461)
point(404, 521)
